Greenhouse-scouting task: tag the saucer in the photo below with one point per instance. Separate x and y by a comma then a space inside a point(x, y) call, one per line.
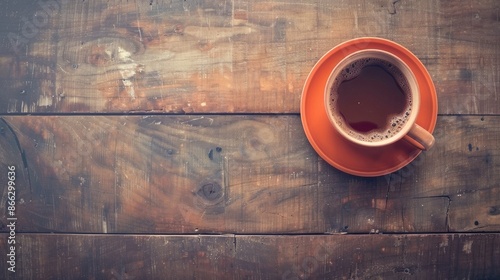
point(331, 145)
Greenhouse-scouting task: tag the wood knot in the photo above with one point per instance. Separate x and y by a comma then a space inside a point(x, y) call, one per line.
point(209, 198)
point(211, 152)
point(211, 192)
point(179, 29)
point(205, 45)
point(494, 210)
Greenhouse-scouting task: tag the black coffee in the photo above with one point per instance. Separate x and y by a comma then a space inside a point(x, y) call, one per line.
point(371, 99)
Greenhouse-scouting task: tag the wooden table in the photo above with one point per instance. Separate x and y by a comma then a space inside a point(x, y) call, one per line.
point(162, 139)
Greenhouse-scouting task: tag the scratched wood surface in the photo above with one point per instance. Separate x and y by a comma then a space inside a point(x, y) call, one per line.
point(239, 174)
point(446, 256)
point(134, 137)
point(229, 56)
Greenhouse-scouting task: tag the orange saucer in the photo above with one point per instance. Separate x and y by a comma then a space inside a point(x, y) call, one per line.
point(333, 147)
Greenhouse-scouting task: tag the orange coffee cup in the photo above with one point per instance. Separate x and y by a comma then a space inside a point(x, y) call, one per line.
point(372, 99)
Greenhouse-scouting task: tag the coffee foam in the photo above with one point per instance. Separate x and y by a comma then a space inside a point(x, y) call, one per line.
point(396, 122)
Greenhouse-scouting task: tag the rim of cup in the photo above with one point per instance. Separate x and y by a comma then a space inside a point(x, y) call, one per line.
point(412, 83)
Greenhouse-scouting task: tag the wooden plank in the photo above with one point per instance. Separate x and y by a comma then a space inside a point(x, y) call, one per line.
point(118, 257)
point(229, 56)
point(449, 188)
point(28, 55)
point(166, 174)
point(239, 174)
point(445, 256)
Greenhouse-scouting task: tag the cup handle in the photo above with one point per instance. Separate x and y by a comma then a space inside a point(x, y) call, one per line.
point(420, 137)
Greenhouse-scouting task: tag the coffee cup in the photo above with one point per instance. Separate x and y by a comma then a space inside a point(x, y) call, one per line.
point(372, 99)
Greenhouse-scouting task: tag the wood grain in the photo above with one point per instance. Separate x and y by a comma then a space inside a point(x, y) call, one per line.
point(166, 174)
point(240, 174)
point(445, 256)
point(229, 56)
point(136, 159)
point(447, 188)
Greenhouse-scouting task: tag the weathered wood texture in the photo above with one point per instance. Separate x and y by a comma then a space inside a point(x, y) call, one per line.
point(191, 174)
point(447, 256)
point(238, 174)
point(229, 56)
